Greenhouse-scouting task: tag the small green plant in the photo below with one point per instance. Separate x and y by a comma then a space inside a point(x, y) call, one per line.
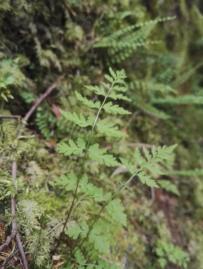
point(124, 42)
point(77, 199)
point(95, 214)
point(170, 253)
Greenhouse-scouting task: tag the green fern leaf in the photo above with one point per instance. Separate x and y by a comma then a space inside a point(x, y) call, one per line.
point(147, 180)
point(168, 186)
point(99, 155)
point(116, 211)
point(72, 148)
point(131, 167)
point(102, 92)
point(67, 182)
point(109, 129)
point(156, 159)
point(87, 102)
point(76, 230)
point(79, 120)
point(150, 163)
point(99, 237)
point(124, 42)
point(80, 259)
point(180, 100)
point(115, 109)
point(92, 191)
point(73, 230)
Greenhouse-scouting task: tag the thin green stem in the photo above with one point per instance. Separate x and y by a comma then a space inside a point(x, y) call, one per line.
point(102, 105)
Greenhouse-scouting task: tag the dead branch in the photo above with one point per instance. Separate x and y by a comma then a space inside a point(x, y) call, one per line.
point(40, 99)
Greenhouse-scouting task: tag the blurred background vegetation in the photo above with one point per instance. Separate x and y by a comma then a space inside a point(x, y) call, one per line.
point(160, 45)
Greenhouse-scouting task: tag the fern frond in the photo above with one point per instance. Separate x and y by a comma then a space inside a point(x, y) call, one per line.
point(72, 148)
point(124, 42)
point(115, 109)
point(67, 182)
point(100, 91)
point(75, 229)
point(168, 186)
point(109, 129)
point(99, 155)
point(151, 110)
point(78, 119)
point(45, 121)
point(114, 87)
point(87, 102)
point(180, 100)
point(92, 191)
point(147, 180)
point(116, 210)
point(149, 164)
point(156, 159)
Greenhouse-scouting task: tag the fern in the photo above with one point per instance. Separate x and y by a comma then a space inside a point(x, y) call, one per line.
point(47, 57)
point(95, 234)
point(150, 164)
point(45, 121)
point(73, 181)
point(114, 87)
point(147, 92)
point(115, 109)
point(180, 100)
point(167, 252)
point(123, 43)
point(100, 156)
point(108, 128)
point(168, 186)
point(72, 148)
point(85, 101)
point(79, 120)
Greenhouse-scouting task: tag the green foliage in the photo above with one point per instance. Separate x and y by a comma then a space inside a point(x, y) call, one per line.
point(151, 164)
point(79, 120)
point(92, 142)
point(6, 188)
point(100, 156)
point(167, 252)
point(11, 75)
point(169, 186)
point(123, 43)
point(45, 121)
point(95, 234)
point(108, 128)
point(72, 148)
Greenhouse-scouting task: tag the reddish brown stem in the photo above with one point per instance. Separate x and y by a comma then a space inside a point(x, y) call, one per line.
point(40, 99)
